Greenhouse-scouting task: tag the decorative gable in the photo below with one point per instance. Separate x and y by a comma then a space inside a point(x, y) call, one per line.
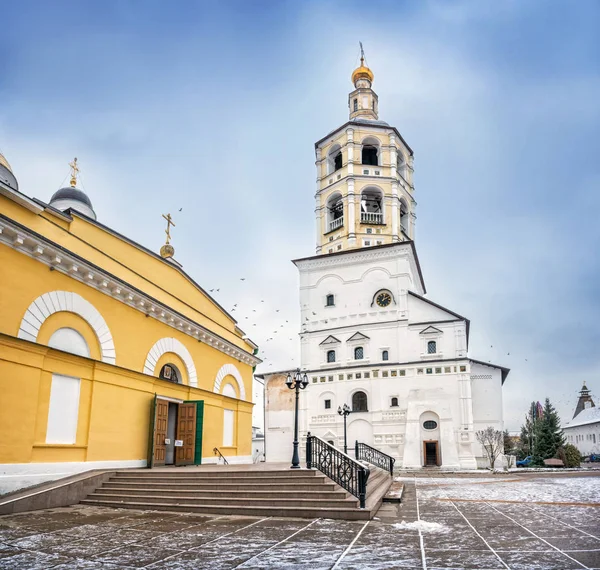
point(431, 330)
point(330, 340)
point(357, 336)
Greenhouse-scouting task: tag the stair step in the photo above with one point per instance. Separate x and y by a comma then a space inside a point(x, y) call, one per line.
point(276, 486)
point(226, 478)
point(231, 501)
point(183, 472)
point(257, 511)
point(251, 494)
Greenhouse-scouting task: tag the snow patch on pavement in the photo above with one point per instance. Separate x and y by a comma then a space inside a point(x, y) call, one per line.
point(423, 526)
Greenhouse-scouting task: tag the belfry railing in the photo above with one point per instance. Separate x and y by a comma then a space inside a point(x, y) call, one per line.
point(369, 454)
point(339, 467)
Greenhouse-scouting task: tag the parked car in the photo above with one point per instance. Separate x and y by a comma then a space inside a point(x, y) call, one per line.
point(592, 458)
point(525, 462)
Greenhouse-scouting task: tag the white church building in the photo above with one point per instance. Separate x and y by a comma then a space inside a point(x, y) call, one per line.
point(370, 338)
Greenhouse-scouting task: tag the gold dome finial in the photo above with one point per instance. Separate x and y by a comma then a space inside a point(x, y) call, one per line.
point(362, 72)
point(168, 250)
point(74, 171)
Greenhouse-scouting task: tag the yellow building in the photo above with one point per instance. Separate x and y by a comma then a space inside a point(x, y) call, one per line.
point(111, 356)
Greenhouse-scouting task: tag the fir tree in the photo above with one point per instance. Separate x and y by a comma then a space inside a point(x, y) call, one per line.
point(549, 434)
point(528, 433)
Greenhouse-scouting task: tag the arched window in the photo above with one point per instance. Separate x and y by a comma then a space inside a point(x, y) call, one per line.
point(369, 155)
point(359, 402)
point(337, 161)
point(331, 356)
point(170, 373)
point(371, 206)
point(334, 158)
point(404, 216)
point(69, 340)
point(394, 402)
point(385, 355)
point(330, 442)
point(330, 300)
point(335, 212)
point(431, 347)
point(400, 165)
point(359, 353)
point(370, 151)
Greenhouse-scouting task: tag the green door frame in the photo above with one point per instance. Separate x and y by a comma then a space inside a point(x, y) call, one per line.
point(199, 425)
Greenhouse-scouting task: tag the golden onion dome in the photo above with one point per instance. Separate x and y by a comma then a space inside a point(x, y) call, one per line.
point(362, 72)
point(4, 162)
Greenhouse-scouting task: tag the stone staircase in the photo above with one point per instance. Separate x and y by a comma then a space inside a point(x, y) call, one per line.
point(239, 490)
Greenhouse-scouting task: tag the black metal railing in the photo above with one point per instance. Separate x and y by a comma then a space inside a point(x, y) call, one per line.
point(339, 467)
point(217, 452)
point(365, 452)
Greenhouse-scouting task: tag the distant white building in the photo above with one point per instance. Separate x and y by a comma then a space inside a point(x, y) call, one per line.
point(583, 431)
point(369, 336)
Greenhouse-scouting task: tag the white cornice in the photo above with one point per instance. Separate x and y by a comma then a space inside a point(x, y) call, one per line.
point(58, 259)
point(353, 257)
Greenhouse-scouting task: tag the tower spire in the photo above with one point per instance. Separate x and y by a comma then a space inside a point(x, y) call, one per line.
point(363, 100)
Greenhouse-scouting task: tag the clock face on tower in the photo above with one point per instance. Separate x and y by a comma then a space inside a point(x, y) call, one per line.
point(383, 299)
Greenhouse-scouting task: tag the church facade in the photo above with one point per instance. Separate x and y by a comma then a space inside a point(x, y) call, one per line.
point(111, 356)
point(370, 338)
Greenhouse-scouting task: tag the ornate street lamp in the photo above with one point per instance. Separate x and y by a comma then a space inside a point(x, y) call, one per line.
point(298, 382)
point(345, 411)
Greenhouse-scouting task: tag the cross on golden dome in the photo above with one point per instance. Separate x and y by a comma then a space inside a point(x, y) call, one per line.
point(362, 72)
point(74, 171)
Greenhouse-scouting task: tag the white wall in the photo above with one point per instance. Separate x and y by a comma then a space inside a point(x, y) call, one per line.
point(586, 438)
point(63, 411)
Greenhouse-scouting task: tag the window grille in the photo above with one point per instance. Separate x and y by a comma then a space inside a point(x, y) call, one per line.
point(431, 347)
point(331, 356)
point(359, 402)
point(359, 353)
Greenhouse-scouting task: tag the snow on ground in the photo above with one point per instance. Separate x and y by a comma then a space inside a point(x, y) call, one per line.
point(556, 490)
point(423, 526)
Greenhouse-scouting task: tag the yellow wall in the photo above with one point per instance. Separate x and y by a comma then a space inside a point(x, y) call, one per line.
point(24, 279)
point(115, 400)
point(114, 408)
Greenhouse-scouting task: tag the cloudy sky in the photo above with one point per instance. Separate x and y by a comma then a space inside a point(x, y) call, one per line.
point(214, 108)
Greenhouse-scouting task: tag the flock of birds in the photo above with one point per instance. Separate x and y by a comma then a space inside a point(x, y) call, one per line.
point(276, 335)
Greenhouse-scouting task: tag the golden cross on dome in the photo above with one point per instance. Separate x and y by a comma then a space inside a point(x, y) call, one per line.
point(169, 224)
point(74, 171)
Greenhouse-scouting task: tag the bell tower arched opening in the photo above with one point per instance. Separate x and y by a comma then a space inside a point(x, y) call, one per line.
point(335, 212)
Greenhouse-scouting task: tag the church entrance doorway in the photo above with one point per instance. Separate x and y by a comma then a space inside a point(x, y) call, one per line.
point(431, 453)
point(175, 436)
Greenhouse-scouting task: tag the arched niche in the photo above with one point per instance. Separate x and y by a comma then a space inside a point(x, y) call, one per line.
point(54, 302)
point(229, 370)
point(165, 345)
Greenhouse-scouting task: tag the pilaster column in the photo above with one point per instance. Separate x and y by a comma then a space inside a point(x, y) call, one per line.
point(393, 155)
point(351, 213)
point(318, 222)
point(350, 147)
point(395, 213)
point(318, 166)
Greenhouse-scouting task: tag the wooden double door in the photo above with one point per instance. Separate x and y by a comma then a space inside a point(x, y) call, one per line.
point(175, 432)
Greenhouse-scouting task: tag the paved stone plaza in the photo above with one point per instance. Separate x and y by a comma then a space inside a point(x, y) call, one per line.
point(517, 521)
